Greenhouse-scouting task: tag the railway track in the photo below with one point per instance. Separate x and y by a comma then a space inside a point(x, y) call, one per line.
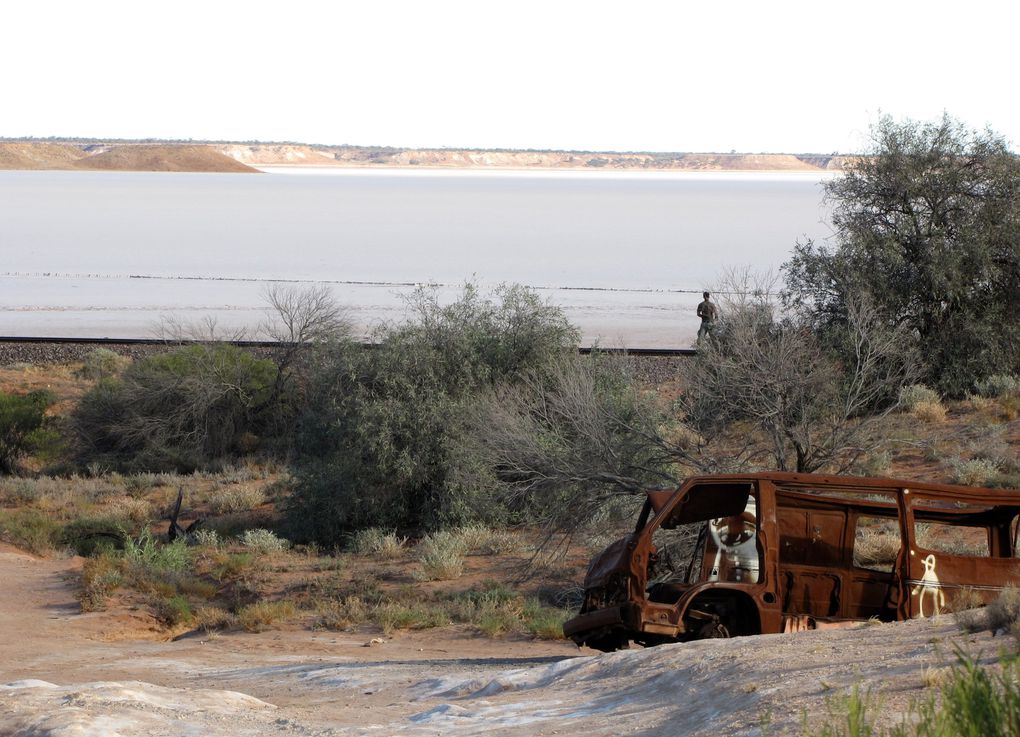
point(653, 365)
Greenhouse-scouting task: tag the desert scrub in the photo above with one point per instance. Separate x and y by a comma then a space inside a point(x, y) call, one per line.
point(911, 396)
point(932, 412)
point(969, 611)
point(997, 385)
point(342, 614)
point(172, 610)
point(377, 542)
point(974, 472)
point(1003, 614)
point(233, 500)
point(148, 558)
point(102, 363)
point(88, 535)
point(263, 541)
point(22, 420)
point(877, 546)
point(400, 615)
point(213, 618)
point(441, 556)
point(138, 484)
point(205, 539)
point(874, 464)
point(966, 699)
point(29, 529)
point(99, 577)
point(482, 540)
point(263, 614)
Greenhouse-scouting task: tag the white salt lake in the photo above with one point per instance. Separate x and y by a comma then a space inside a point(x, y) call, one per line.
point(626, 255)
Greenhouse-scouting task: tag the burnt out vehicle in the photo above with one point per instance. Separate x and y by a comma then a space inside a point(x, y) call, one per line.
point(724, 556)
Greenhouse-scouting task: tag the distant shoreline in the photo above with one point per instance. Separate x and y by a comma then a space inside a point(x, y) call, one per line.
point(85, 155)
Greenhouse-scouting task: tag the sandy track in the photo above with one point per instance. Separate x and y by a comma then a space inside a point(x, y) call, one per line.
point(65, 675)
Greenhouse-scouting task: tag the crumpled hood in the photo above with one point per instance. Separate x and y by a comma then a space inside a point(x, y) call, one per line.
point(614, 558)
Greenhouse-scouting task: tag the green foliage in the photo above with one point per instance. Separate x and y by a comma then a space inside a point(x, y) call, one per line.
point(21, 421)
point(261, 615)
point(384, 544)
point(386, 442)
point(916, 394)
point(102, 363)
point(263, 541)
point(29, 529)
point(998, 385)
point(441, 555)
point(148, 557)
point(179, 410)
point(90, 535)
point(926, 225)
point(973, 700)
point(974, 472)
point(172, 610)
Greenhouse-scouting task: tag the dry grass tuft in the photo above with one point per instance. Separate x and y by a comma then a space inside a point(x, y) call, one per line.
point(931, 411)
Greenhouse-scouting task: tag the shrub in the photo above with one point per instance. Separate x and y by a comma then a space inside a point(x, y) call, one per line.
point(138, 484)
point(911, 396)
point(377, 542)
point(385, 444)
point(342, 614)
point(102, 363)
point(927, 411)
point(99, 577)
point(212, 618)
point(263, 614)
point(543, 622)
point(240, 499)
point(441, 555)
point(405, 616)
point(176, 411)
point(998, 385)
point(29, 529)
point(21, 420)
point(876, 546)
point(89, 535)
point(874, 464)
point(206, 538)
point(1004, 612)
point(263, 541)
point(482, 540)
point(975, 472)
point(172, 610)
point(147, 557)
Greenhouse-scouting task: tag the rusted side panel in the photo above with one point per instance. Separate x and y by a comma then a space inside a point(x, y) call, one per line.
point(805, 572)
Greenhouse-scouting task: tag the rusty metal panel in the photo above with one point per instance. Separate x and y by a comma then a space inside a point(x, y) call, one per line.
point(780, 553)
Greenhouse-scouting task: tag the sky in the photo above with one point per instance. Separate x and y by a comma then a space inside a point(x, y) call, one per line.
point(780, 76)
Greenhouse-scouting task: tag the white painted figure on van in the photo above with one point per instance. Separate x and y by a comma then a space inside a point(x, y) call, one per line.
point(929, 586)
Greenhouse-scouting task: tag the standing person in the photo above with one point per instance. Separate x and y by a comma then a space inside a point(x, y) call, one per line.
point(707, 313)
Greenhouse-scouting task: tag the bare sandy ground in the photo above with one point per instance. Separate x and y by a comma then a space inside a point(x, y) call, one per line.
point(71, 674)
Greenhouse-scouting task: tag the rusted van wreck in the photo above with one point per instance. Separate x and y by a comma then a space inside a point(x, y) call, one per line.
point(724, 556)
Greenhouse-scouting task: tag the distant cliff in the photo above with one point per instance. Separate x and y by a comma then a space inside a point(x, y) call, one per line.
point(262, 154)
point(248, 157)
point(117, 157)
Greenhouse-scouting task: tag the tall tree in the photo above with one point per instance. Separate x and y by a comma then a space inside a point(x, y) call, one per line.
point(928, 226)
